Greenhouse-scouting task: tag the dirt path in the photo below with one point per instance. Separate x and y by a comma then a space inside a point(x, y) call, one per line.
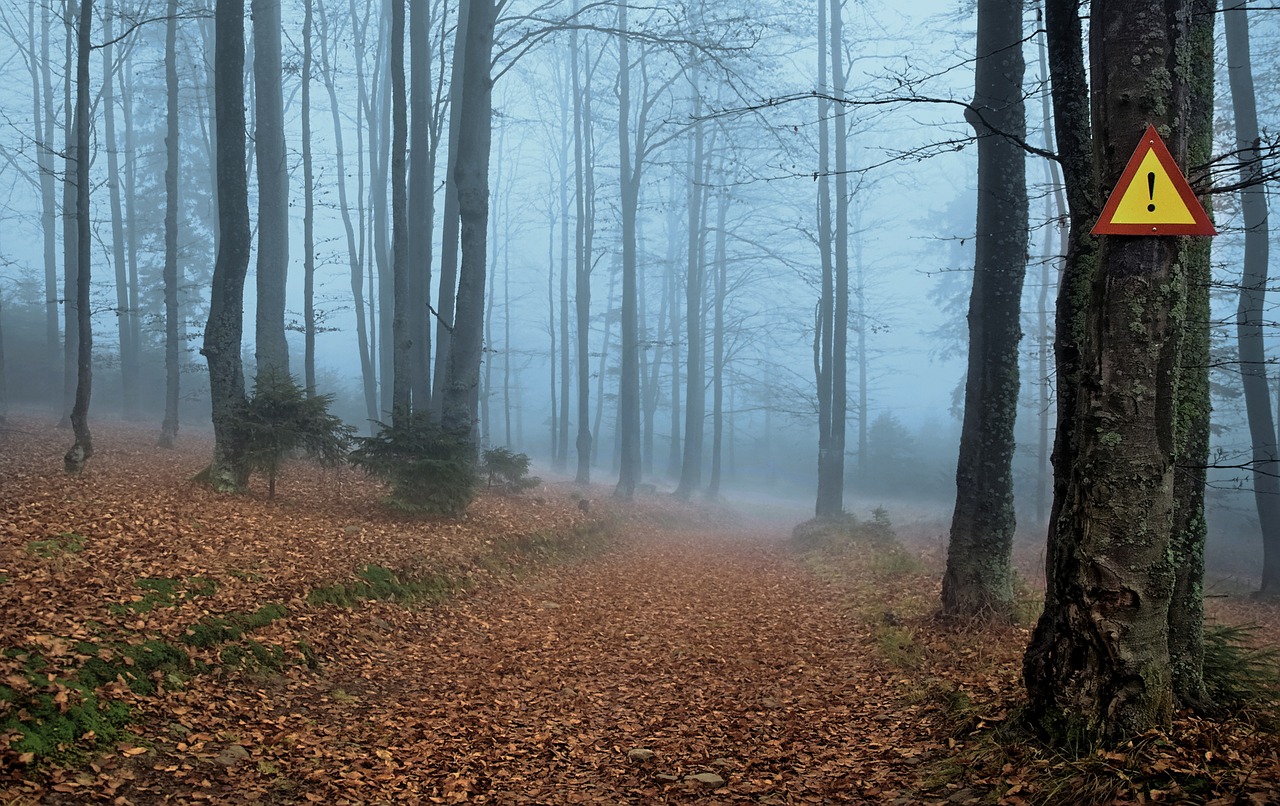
point(720, 656)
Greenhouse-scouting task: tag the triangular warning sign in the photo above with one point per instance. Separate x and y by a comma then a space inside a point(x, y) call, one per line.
point(1153, 197)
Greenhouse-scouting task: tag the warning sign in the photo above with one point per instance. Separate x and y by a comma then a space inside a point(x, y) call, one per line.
point(1153, 197)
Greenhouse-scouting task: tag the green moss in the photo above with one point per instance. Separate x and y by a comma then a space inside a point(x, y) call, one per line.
point(213, 630)
point(378, 582)
point(58, 546)
point(165, 592)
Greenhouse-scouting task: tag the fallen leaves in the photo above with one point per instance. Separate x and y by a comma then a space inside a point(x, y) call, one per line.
point(683, 665)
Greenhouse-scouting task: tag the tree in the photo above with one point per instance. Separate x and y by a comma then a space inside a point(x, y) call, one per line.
point(308, 211)
point(1098, 664)
point(271, 350)
point(229, 471)
point(169, 427)
point(400, 338)
point(832, 330)
point(1189, 530)
point(125, 312)
point(282, 418)
point(472, 177)
point(1250, 313)
point(979, 574)
point(82, 448)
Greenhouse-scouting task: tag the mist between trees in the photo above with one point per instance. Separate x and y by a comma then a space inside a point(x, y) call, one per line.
point(820, 250)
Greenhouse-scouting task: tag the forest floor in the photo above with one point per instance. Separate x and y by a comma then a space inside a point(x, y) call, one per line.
point(160, 643)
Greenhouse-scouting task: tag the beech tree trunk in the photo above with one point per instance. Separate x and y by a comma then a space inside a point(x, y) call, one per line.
point(472, 178)
point(82, 448)
point(978, 581)
point(1098, 666)
point(400, 340)
point(1189, 531)
point(308, 213)
point(270, 348)
point(630, 169)
point(1251, 311)
point(172, 363)
point(224, 330)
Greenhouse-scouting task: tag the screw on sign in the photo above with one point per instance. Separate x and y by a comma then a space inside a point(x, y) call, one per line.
point(1163, 204)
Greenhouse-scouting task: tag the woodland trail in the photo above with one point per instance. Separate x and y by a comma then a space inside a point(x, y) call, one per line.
point(718, 654)
point(160, 643)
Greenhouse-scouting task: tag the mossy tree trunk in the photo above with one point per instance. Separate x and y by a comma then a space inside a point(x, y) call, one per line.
point(1098, 666)
point(1186, 610)
point(224, 330)
point(979, 577)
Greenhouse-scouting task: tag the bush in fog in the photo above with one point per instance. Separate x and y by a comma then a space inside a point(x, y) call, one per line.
point(429, 469)
point(508, 471)
point(282, 419)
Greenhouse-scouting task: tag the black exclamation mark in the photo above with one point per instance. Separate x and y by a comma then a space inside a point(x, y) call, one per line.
point(1151, 190)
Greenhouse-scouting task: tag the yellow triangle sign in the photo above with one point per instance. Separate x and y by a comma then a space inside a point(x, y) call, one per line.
point(1153, 197)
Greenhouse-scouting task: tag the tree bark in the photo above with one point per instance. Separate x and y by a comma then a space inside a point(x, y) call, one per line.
point(1098, 665)
point(82, 449)
point(400, 339)
point(449, 235)
point(1186, 609)
point(584, 162)
point(421, 211)
point(270, 348)
point(827, 503)
point(472, 178)
point(354, 260)
point(1250, 313)
point(308, 212)
point(695, 373)
point(630, 168)
point(978, 581)
point(172, 365)
point(124, 310)
point(224, 329)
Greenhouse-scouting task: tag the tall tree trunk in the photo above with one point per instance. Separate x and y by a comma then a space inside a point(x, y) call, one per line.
point(421, 207)
point(674, 452)
point(42, 95)
point(82, 449)
point(695, 377)
point(840, 320)
point(717, 346)
point(224, 330)
point(172, 364)
point(4, 377)
point(124, 314)
point(308, 212)
point(1253, 289)
point(1187, 537)
point(560, 428)
point(584, 162)
point(449, 234)
point(979, 577)
point(70, 236)
point(270, 348)
point(367, 371)
point(827, 502)
point(400, 389)
point(1098, 665)
point(472, 177)
point(630, 166)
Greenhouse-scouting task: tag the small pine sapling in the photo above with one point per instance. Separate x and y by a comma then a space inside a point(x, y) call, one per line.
point(508, 471)
point(281, 419)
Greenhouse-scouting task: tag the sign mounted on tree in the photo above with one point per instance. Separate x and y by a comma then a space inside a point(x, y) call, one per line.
point(1153, 197)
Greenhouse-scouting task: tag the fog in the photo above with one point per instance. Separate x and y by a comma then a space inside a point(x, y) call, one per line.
point(911, 176)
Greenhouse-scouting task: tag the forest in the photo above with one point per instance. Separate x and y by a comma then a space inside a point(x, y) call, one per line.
point(888, 372)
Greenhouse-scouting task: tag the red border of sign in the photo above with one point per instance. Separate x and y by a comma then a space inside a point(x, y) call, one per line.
point(1151, 142)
